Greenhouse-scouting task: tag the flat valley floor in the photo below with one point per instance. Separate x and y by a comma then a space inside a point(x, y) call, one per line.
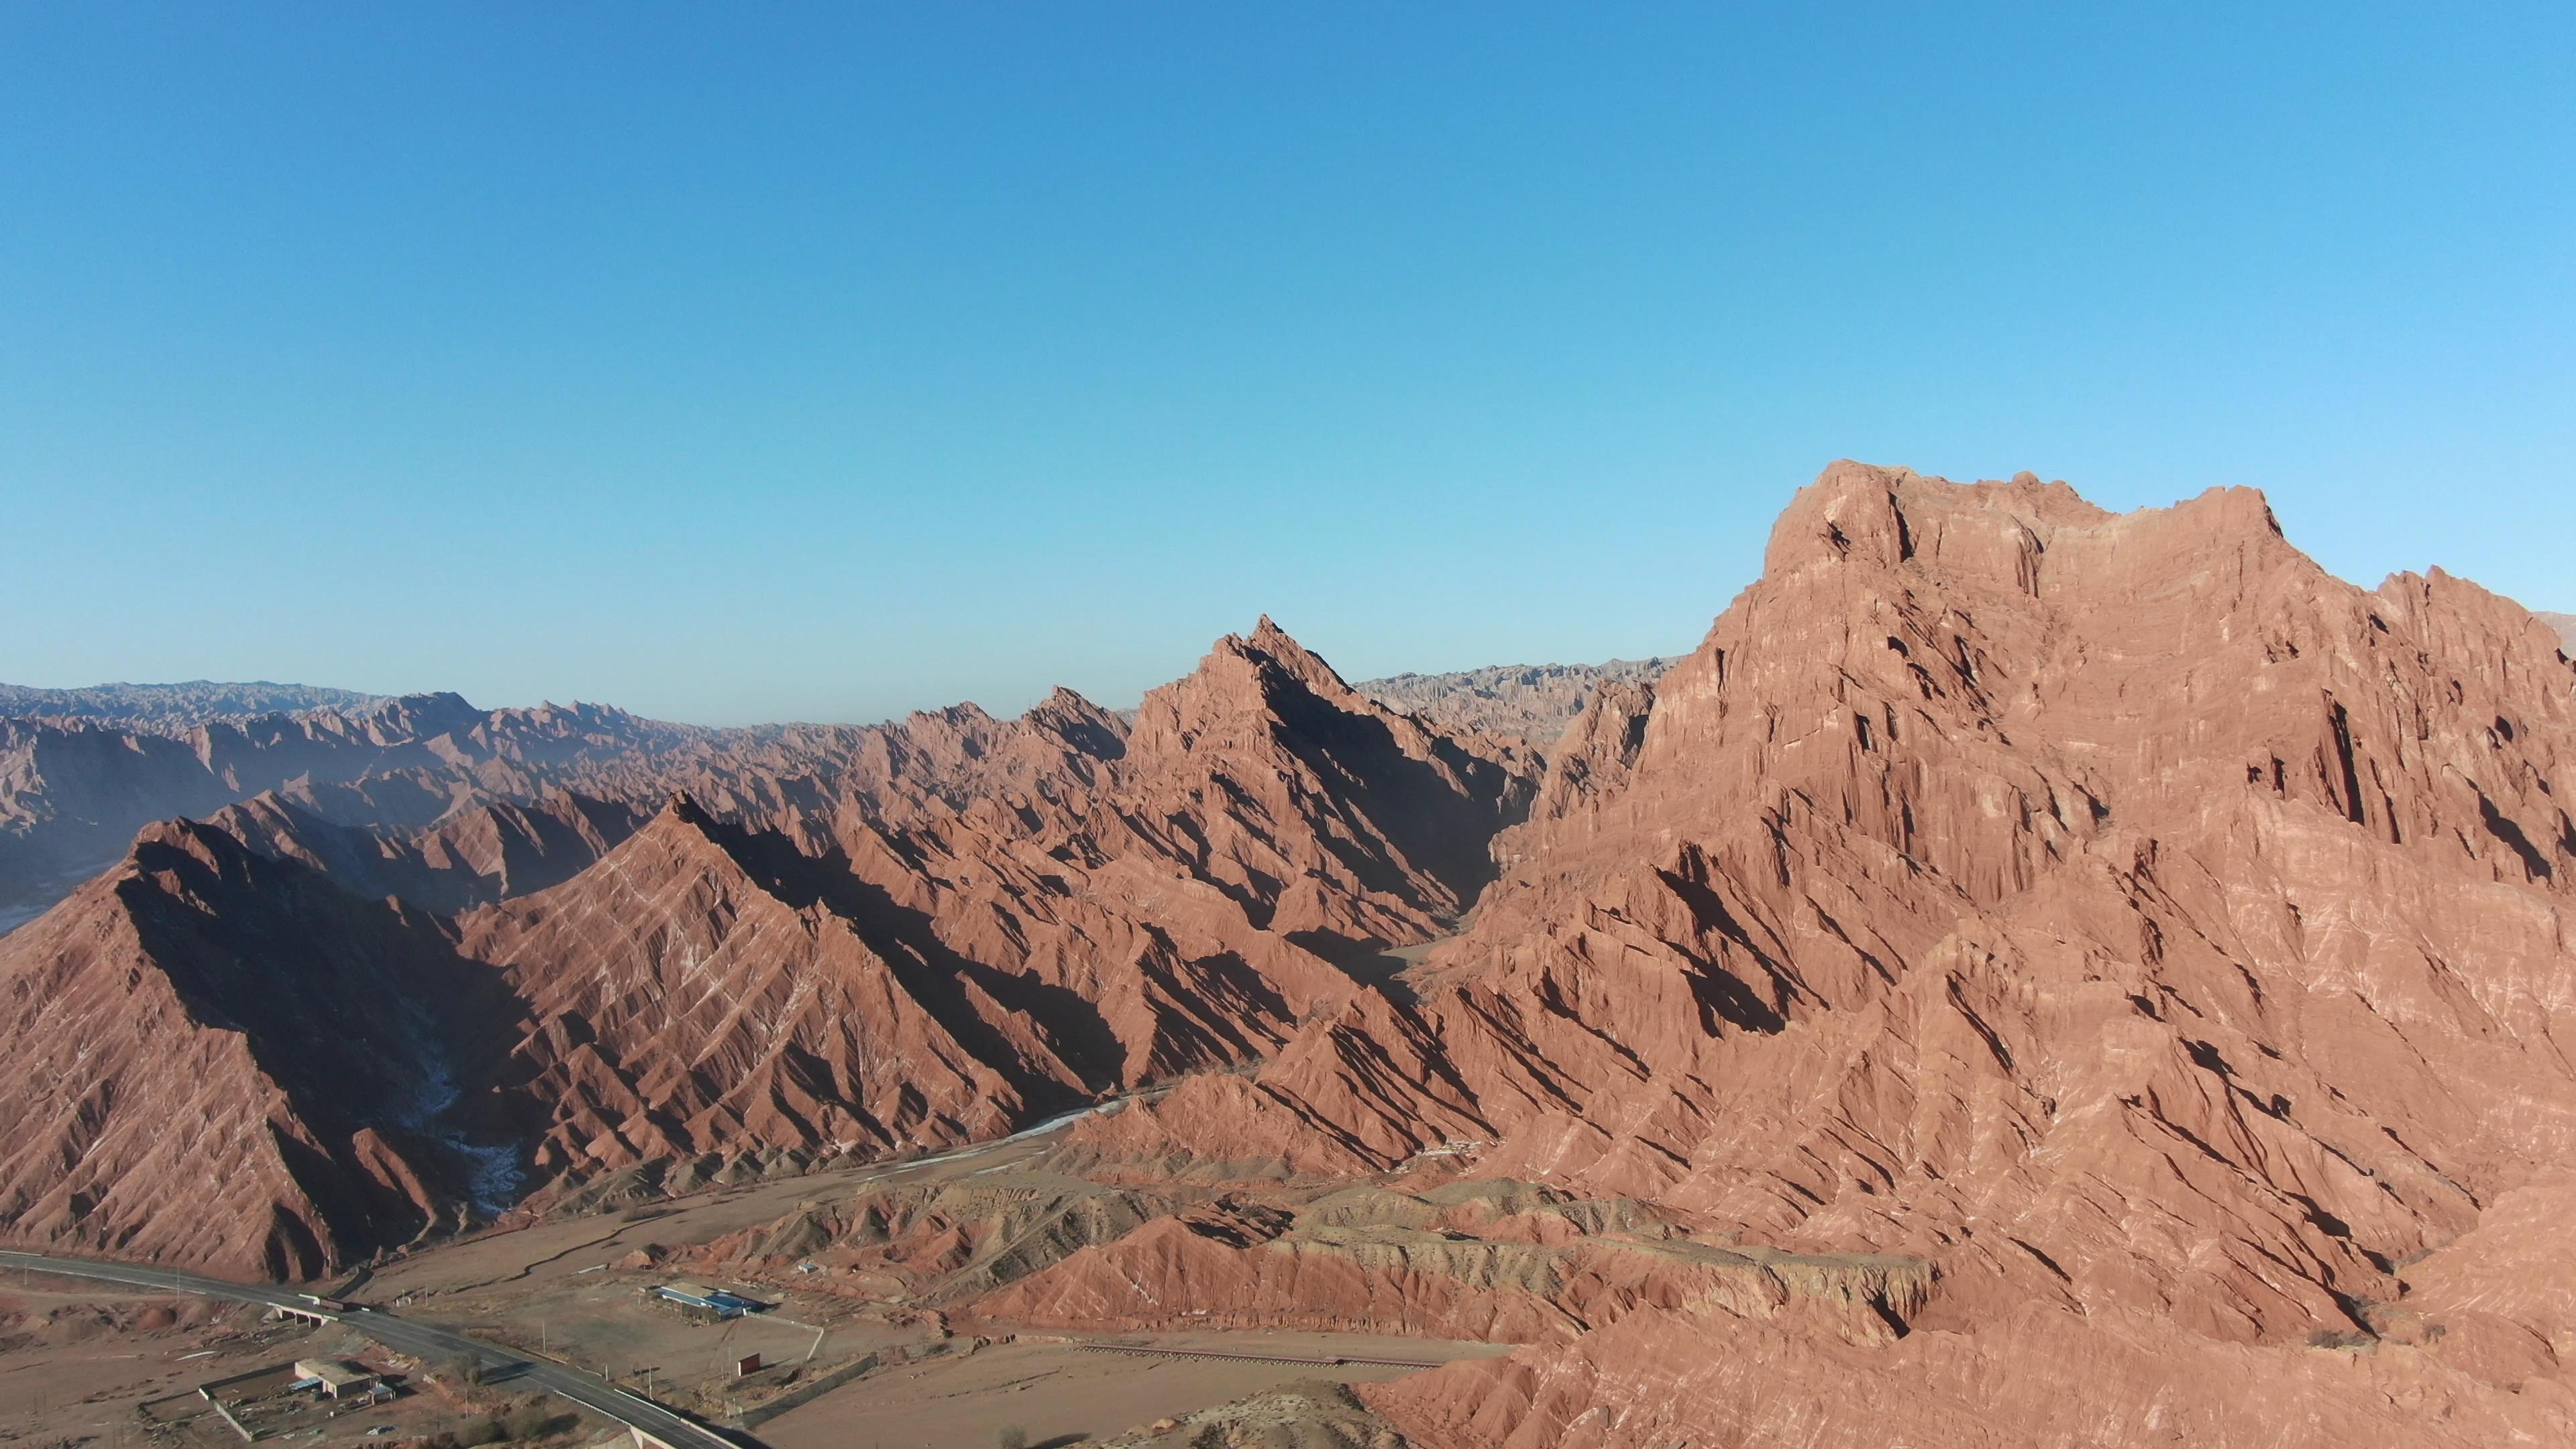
point(87, 1364)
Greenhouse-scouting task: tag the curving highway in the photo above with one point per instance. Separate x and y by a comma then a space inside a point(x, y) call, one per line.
point(426, 1342)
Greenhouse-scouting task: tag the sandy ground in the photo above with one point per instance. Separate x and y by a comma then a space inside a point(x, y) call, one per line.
point(75, 1361)
point(604, 1322)
point(557, 1289)
point(81, 1358)
point(1057, 1392)
point(98, 1366)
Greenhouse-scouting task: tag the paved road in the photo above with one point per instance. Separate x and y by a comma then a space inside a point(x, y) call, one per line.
point(426, 1342)
point(432, 1344)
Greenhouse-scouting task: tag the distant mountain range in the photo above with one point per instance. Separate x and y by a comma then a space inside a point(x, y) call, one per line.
point(1528, 702)
point(163, 707)
point(2565, 624)
point(82, 770)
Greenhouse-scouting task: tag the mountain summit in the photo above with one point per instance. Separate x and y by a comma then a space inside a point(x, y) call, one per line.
point(2160, 941)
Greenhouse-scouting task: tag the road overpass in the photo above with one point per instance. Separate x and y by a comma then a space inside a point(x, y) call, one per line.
point(426, 1342)
point(430, 1343)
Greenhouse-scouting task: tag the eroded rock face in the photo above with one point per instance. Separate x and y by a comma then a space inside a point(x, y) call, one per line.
point(1330, 818)
point(825, 944)
point(2164, 939)
point(2031, 976)
point(220, 1058)
point(2029, 1375)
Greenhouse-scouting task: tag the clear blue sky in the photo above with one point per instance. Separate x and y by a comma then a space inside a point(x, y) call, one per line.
point(744, 362)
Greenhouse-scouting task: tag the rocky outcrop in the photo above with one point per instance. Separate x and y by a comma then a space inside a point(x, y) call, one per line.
point(935, 1243)
point(2565, 624)
point(1331, 819)
point(1502, 1262)
point(697, 992)
point(2163, 938)
point(991, 921)
point(1309, 1414)
point(1528, 703)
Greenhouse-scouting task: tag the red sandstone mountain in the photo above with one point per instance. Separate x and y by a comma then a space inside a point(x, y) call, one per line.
point(483, 855)
point(2160, 941)
point(221, 1058)
point(73, 791)
point(835, 943)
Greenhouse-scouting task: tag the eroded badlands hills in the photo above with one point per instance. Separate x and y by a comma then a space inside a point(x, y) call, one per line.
point(2032, 975)
point(809, 946)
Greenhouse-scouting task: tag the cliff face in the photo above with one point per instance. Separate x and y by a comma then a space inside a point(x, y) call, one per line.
point(2164, 939)
point(827, 943)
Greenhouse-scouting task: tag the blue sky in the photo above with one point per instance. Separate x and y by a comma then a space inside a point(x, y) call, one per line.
point(736, 363)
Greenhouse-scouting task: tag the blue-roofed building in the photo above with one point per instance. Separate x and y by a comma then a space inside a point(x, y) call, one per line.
point(706, 1300)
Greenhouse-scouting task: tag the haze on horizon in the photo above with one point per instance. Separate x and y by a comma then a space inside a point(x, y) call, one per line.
point(828, 363)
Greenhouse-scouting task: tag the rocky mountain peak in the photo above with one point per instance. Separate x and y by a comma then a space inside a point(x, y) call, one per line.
point(172, 850)
point(2000, 876)
point(1270, 647)
point(1857, 514)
